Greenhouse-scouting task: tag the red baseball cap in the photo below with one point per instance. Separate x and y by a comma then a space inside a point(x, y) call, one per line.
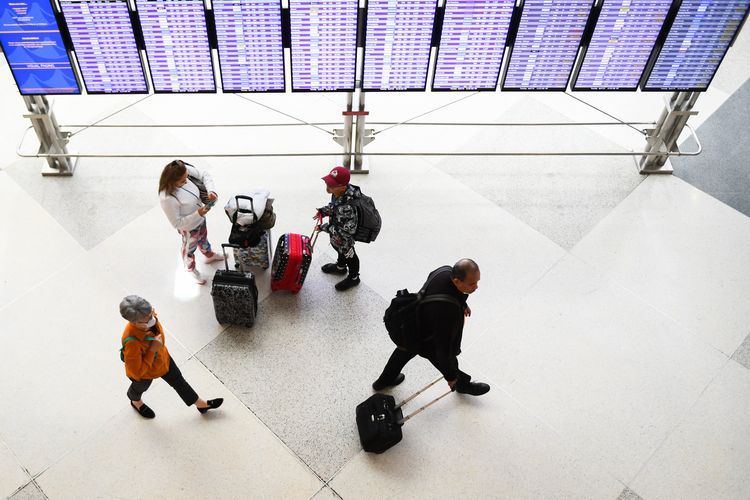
point(337, 177)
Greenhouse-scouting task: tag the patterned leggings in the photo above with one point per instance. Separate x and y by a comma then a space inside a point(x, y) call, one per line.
point(197, 238)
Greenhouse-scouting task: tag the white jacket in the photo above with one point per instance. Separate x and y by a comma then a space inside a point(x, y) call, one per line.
point(181, 207)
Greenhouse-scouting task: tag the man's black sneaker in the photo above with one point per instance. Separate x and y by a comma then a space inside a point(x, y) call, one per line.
point(347, 283)
point(473, 388)
point(332, 268)
point(379, 385)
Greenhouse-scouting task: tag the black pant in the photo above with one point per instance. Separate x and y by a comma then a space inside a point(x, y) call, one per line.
point(173, 377)
point(352, 262)
point(398, 360)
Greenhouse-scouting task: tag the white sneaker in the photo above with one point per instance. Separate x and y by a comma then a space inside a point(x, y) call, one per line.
point(197, 276)
point(216, 257)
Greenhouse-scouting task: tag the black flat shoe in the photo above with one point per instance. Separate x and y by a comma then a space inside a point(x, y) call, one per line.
point(379, 385)
point(144, 410)
point(212, 405)
point(347, 283)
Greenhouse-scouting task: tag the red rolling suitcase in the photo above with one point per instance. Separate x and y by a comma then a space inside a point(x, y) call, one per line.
point(292, 261)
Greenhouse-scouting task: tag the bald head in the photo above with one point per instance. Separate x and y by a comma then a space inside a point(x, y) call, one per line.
point(465, 275)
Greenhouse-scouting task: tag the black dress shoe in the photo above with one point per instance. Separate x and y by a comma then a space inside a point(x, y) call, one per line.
point(332, 268)
point(379, 385)
point(473, 388)
point(212, 404)
point(347, 283)
point(144, 410)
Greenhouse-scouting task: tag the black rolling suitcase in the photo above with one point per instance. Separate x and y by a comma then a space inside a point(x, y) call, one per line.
point(235, 295)
point(379, 419)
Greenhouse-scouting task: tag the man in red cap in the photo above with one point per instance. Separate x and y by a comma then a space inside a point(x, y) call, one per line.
point(341, 226)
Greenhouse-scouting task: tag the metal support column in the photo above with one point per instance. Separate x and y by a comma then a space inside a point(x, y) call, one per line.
point(344, 136)
point(362, 136)
point(663, 137)
point(51, 139)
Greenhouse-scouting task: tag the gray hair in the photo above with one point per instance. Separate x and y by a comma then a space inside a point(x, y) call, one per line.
point(133, 308)
point(462, 268)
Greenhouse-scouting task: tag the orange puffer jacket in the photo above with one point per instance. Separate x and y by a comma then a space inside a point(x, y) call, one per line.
point(139, 363)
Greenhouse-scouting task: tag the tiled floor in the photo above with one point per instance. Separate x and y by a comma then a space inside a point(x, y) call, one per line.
point(611, 319)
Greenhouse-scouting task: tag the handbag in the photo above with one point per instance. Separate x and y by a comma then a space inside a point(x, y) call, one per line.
point(202, 191)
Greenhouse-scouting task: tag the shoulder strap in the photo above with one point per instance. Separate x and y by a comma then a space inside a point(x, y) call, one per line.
point(128, 339)
point(431, 277)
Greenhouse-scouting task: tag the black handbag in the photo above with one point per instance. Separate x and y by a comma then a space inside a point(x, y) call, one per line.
point(202, 191)
point(244, 236)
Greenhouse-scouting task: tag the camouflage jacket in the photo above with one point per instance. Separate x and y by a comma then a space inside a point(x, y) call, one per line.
point(342, 222)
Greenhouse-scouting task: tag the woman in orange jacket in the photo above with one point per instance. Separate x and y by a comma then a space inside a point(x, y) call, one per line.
point(146, 358)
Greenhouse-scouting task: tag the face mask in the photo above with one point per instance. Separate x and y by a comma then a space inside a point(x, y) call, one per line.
point(151, 322)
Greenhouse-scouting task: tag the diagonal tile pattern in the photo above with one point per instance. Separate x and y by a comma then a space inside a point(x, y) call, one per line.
point(607, 314)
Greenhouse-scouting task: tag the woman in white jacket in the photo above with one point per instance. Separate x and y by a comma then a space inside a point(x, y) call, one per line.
point(181, 202)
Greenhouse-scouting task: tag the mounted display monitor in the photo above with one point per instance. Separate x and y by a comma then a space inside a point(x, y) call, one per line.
point(251, 55)
point(397, 44)
point(324, 44)
point(179, 56)
point(546, 45)
point(105, 46)
point(472, 43)
point(621, 44)
point(34, 48)
point(696, 44)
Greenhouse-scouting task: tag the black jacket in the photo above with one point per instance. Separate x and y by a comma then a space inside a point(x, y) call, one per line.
point(441, 324)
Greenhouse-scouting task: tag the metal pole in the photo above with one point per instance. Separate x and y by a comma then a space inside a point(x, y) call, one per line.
point(52, 141)
point(344, 136)
point(663, 137)
point(362, 136)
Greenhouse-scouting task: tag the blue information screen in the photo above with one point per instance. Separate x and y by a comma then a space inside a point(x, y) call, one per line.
point(546, 44)
point(324, 44)
point(472, 44)
point(105, 45)
point(34, 48)
point(696, 44)
point(622, 42)
point(177, 48)
point(397, 45)
point(251, 55)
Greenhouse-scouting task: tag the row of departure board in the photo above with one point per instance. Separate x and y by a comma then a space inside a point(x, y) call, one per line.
point(619, 44)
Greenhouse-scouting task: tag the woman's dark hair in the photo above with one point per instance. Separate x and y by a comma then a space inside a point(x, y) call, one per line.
point(170, 175)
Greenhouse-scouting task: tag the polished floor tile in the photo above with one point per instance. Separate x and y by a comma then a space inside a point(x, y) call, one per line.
point(12, 476)
point(706, 456)
point(29, 492)
point(742, 354)
point(227, 453)
point(29, 235)
point(561, 197)
point(466, 447)
point(61, 358)
point(677, 249)
point(602, 368)
point(306, 363)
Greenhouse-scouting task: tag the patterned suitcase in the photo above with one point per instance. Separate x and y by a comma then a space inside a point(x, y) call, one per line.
point(257, 256)
point(235, 296)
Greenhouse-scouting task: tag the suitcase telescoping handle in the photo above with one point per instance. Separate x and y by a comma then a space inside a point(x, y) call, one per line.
point(224, 251)
point(237, 199)
point(421, 408)
point(316, 231)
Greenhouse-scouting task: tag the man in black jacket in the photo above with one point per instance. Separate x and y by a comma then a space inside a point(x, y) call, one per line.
point(441, 328)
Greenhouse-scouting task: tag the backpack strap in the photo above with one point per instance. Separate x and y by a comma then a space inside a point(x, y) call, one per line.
point(423, 299)
point(128, 339)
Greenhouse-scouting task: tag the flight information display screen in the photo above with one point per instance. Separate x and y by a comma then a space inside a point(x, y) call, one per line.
point(179, 56)
point(696, 44)
point(251, 55)
point(34, 48)
point(622, 42)
point(324, 44)
point(546, 44)
point(105, 45)
point(397, 44)
point(472, 44)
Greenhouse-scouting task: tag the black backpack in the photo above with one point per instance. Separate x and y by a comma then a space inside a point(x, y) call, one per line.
point(368, 218)
point(402, 315)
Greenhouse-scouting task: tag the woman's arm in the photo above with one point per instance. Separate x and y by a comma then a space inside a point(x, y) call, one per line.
point(171, 207)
